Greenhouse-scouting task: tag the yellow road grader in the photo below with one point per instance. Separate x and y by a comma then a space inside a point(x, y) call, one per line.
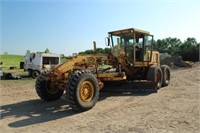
point(132, 60)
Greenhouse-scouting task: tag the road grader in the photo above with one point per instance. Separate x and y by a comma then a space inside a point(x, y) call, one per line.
point(133, 59)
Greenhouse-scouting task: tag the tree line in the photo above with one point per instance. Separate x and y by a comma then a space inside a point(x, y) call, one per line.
point(98, 51)
point(189, 49)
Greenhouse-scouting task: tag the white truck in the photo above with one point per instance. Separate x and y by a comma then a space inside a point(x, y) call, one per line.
point(37, 62)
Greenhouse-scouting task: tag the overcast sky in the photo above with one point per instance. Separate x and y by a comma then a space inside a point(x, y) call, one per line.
point(70, 26)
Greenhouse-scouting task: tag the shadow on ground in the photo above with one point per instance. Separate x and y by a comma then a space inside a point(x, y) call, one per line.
point(111, 92)
point(37, 111)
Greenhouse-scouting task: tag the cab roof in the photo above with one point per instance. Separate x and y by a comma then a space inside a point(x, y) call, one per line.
point(117, 32)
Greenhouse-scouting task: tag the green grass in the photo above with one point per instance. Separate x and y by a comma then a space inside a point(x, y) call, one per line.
point(11, 60)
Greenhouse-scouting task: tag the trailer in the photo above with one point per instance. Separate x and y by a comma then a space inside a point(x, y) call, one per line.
point(35, 63)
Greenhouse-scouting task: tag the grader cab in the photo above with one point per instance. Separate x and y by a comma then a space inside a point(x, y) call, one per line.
point(132, 60)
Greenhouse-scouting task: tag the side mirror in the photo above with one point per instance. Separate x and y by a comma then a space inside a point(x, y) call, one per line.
point(107, 41)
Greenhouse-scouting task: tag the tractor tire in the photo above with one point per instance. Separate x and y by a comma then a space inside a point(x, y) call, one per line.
point(82, 91)
point(44, 91)
point(35, 74)
point(155, 74)
point(166, 75)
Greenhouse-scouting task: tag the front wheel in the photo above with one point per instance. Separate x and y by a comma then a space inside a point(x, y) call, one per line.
point(45, 91)
point(82, 90)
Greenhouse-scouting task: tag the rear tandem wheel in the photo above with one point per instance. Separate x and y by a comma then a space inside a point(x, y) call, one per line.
point(166, 75)
point(155, 74)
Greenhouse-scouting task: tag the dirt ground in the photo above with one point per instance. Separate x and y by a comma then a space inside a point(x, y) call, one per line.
point(175, 108)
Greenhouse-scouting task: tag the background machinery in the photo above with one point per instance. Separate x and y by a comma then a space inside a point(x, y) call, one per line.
point(35, 63)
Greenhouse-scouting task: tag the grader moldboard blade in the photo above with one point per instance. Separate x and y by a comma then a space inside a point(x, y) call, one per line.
point(131, 86)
